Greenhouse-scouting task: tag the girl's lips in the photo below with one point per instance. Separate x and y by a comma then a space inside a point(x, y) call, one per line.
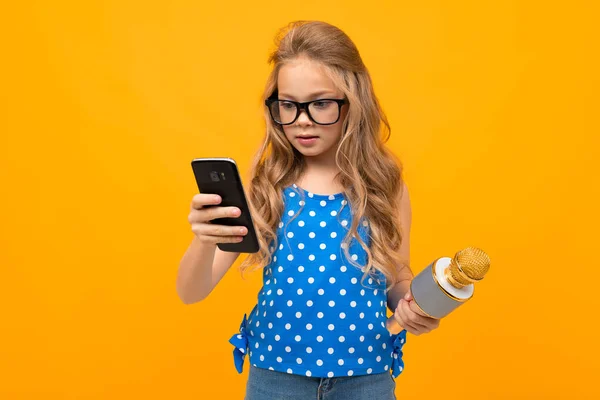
point(307, 140)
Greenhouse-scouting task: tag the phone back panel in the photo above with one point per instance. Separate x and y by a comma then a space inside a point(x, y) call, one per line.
point(220, 176)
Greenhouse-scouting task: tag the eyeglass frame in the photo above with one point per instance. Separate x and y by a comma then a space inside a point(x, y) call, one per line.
point(304, 106)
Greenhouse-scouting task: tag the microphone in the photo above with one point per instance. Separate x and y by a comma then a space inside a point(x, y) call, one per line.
point(446, 284)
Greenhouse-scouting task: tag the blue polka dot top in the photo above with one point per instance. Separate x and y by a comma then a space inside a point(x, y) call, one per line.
point(314, 315)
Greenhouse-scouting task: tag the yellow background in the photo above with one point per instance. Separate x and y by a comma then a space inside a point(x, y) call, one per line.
point(494, 111)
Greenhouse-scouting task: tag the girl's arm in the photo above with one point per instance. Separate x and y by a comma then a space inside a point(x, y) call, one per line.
point(405, 274)
point(201, 268)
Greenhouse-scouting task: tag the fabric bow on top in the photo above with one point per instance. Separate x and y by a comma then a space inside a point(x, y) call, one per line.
point(398, 362)
point(240, 342)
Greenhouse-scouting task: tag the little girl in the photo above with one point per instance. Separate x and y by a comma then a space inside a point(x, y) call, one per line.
point(333, 219)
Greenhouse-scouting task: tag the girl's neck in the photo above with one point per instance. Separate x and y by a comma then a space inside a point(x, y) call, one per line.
point(319, 176)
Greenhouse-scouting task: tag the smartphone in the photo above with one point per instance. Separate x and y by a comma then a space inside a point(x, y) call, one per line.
point(221, 176)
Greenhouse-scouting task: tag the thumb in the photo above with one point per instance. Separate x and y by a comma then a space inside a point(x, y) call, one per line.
point(408, 296)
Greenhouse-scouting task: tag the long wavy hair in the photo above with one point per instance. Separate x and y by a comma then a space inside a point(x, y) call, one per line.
point(369, 173)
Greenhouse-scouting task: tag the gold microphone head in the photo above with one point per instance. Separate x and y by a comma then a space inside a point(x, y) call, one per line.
point(468, 266)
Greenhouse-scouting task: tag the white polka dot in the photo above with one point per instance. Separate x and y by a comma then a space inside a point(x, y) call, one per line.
point(312, 213)
point(361, 315)
point(281, 226)
point(290, 303)
point(270, 325)
point(362, 292)
point(330, 374)
point(280, 269)
point(301, 246)
point(343, 292)
point(331, 303)
point(298, 338)
point(341, 362)
point(308, 373)
point(378, 336)
point(354, 281)
point(342, 315)
point(352, 327)
point(362, 338)
point(330, 327)
point(378, 358)
point(322, 268)
point(333, 235)
point(270, 348)
point(279, 292)
point(353, 304)
point(322, 246)
point(323, 224)
point(332, 280)
point(343, 268)
point(369, 303)
point(351, 350)
point(321, 292)
point(369, 370)
point(271, 303)
point(319, 362)
point(277, 338)
point(385, 367)
point(360, 360)
point(323, 203)
point(298, 314)
point(291, 212)
point(331, 197)
point(319, 338)
point(262, 358)
point(281, 246)
point(288, 326)
point(311, 257)
point(269, 292)
point(288, 349)
point(311, 280)
point(301, 202)
point(354, 257)
point(279, 359)
point(311, 235)
point(365, 223)
point(309, 303)
point(292, 194)
point(344, 223)
point(289, 371)
point(342, 339)
point(309, 350)
point(332, 257)
point(370, 349)
point(290, 280)
point(377, 314)
point(320, 315)
point(333, 213)
point(257, 324)
point(330, 350)
point(299, 291)
point(350, 373)
point(300, 223)
point(344, 202)
point(344, 245)
point(308, 327)
point(370, 327)
point(375, 292)
point(290, 257)
point(384, 346)
point(262, 335)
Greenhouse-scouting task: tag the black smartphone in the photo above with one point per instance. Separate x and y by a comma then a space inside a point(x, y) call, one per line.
point(221, 176)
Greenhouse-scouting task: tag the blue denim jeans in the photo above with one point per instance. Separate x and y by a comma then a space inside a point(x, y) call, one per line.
point(264, 384)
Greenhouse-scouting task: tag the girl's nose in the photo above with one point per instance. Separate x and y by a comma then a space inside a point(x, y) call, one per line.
point(303, 119)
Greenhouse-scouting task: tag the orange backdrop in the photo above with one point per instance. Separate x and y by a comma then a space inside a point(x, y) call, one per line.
point(493, 107)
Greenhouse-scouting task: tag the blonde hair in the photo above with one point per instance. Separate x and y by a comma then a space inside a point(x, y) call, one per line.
point(370, 175)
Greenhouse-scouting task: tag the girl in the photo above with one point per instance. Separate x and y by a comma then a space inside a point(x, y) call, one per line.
point(333, 219)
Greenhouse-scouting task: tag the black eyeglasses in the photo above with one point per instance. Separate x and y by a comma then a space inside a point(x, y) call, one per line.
point(321, 111)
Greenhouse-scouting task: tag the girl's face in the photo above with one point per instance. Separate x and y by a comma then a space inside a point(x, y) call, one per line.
point(303, 80)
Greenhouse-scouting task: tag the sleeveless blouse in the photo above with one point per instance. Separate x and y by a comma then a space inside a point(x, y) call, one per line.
point(315, 315)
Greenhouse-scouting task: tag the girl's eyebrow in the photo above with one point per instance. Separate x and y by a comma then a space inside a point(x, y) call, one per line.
point(311, 96)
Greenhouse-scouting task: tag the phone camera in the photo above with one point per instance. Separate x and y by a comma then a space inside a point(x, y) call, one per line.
point(214, 176)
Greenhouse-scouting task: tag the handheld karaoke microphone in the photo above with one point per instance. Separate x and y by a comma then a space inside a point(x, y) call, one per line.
point(446, 284)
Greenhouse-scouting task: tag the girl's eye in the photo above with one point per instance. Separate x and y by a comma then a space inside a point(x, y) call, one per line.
point(322, 104)
point(286, 105)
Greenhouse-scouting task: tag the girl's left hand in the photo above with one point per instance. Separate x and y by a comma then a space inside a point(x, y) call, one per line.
point(411, 318)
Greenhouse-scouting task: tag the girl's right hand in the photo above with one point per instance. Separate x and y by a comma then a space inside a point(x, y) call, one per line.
point(201, 215)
